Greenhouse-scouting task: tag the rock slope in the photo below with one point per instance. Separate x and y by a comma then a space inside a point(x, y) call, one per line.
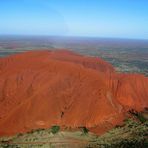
point(39, 89)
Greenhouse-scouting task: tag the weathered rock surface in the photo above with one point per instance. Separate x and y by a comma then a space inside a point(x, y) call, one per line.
point(39, 89)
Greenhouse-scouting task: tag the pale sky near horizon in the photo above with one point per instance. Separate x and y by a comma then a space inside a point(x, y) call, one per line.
point(94, 18)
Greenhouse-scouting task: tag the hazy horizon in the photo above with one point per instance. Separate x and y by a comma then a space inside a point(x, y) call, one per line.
point(69, 36)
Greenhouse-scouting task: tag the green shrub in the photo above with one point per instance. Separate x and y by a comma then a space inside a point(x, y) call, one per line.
point(55, 129)
point(84, 130)
point(138, 115)
point(141, 118)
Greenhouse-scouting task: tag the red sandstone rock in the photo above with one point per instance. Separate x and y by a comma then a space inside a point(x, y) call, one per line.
point(39, 89)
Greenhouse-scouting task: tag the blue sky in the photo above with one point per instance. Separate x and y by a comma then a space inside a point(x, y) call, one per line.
point(95, 18)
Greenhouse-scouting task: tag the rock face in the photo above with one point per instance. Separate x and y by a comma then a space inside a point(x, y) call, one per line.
point(39, 89)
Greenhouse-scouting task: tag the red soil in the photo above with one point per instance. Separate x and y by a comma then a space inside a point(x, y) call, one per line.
point(39, 89)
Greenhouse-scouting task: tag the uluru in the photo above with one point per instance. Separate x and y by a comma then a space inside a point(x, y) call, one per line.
point(39, 89)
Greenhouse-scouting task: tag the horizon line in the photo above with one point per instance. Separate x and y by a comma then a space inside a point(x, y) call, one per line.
point(71, 36)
